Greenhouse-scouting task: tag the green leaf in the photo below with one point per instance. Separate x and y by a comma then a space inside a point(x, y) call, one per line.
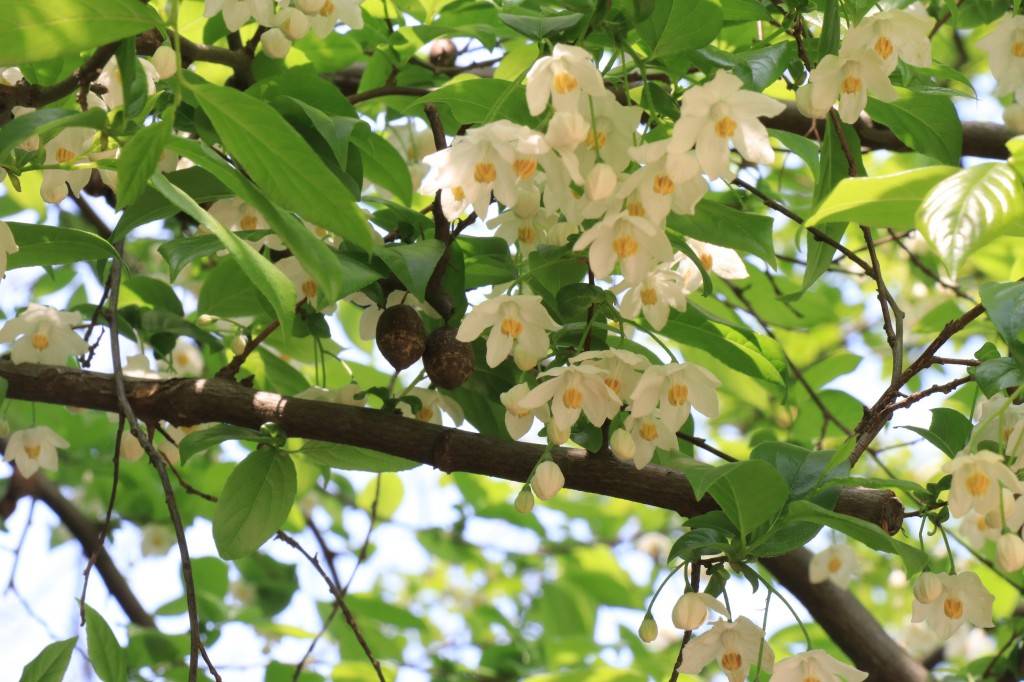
point(750, 493)
point(254, 503)
point(716, 223)
point(33, 31)
point(45, 121)
point(412, 264)
point(970, 209)
point(151, 205)
point(858, 529)
point(45, 245)
point(803, 470)
point(383, 165)
point(926, 123)
point(351, 458)
point(105, 653)
point(281, 163)
point(155, 292)
point(267, 279)
point(741, 350)
point(536, 26)
point(1004, 303)
point(180, 252)
point(487, 261)
point(881, 201)
point(998, 374)
point(473, 100)
point(138, 161)
point(204, 439)
point(949, 431)
point(319, 260)
point(51, 663)
point(679, 25)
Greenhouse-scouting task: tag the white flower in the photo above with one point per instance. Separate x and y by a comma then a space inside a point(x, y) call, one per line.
point(572, 390)
point(331, 12)
point(610, 131)
point(518, 324)
point(67, 146)
point(720, 111)
point(110, 78)
point(691, 610)
point(659, 291)
point(157, 538)
point(670, 390)
point(43, 335)
point(7, 246)
point(495, 157)
point(165, 61)
point(622, 368)
point(186, 359)
point(1005, 48)
point(518, 421)
point(132, 450)
point(527, 233)
point(655, 545)
point(927, 587)
point(668, 181)
point(601, 182)
point(977, 528)
point(30, 143)
point(433, 406)
point(805, 102)
point(837, 563)
point(815, 665)
point(976, 481)
point(547, 480)
point(1010, 552)
point(11, 75)
point(138, 367)
point(275, 44)
point(349, 394)
point(633, 242)
point(734, 645)
point(894, 35)
point(650, 432)
point(238, 216)
point(849, 77)
point(235, 12)
point(622, 445)
point(1001, 427)
point(293, 22)
point(305, 286)
point(717, 260)
point(963, 598)
point(565, 78)
point(33, 449)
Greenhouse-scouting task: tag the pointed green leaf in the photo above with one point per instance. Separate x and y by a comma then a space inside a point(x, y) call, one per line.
point(51, 663)
point(105, 653)
point(254, 503)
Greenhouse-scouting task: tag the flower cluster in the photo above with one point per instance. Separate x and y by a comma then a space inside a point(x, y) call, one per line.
point(867, 57)
point(1004, 45)
point(286, 21)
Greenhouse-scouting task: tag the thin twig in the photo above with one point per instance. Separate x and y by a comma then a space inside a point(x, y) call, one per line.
point(229, 370)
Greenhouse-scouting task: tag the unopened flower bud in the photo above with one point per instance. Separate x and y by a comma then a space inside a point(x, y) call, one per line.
point(804, 103)
point(927, 588)
point(1010, 552)
point(165, 61)
point(524, 500)
point(310, 6)
point(294, 23)
point(690, 612)
point(556, 435)
point(648, 629)
point(547, 480)
point(275, 43)
point(623, 446)
point(238, 344)
point(206, 319)
point(601, 182)
point(1013, 117)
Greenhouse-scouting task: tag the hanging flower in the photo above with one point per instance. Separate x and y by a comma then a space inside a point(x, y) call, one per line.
point(691, 610)
point(323, 22)
point(893, 35)
point(65, 148)
point(112, 81)
point(238, 216)
point(721, 111)
point(734, 645)
point(622, 368)
point(33, 449)
point(648, 433)
point(927, 587)
point(622, 445)
point(815, 665)
point(1005, 47)
point(518, 420)
point(433, 406)
point(7, 246)
point(963, 598)
point(573, 390)
point(849, 77)
point(669, 391)
point(547, 480)
point(186, 359)
point(669, 180)
point(234, 12)
point(717, 260)
point(837, 563)
point(661, 290)
point(349, 394)
point(633, 242)
point(518, 324)
point(306, 288)
point(526, 232)
point(976, 481)
point(565, 77)
point(43, 335)
point(1010, 552)
point(611, 128)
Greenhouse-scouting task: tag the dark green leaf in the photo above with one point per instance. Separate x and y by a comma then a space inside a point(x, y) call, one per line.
point(254, 503)
point(719, 224)
point(536, 26)
point(105, 653)
point(926, 123)
point(45, 121)
point(45, 245)
point(51, 663)
point(412, 264)
point(138, 161)
point(349, 457)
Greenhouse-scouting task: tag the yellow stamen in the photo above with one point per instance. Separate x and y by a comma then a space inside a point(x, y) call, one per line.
point(64, 154)
point(731, 661)
point(248, 222)
point(706, 259)
point(1018, 48)
point(834, 565)
point(953, 608)
point(572, 398)
point(40, 341)
point(458, 193)
point(425, 414)
point(32, 451)
point(648, 296)
point(977, 483)
point(725, 127)
point(851, 84)
point(596, 141)
point(525, 168)
point(526, 234)
point(613, 383)
point(663, 184)
point(625, 246)
point(327, 9)
point(883, 47)
point(485, 172)
point(677, 394)
point(636, 209)
point(564, 83)
point(648, 431)
point(309, 289)
point(511, 327)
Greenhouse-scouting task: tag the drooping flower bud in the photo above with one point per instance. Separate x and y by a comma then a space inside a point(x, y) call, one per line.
point(927, 588)
point(547, 480)
point(556, 434)
point(690, 612)
point(623, 446)
point(601, 181)
point(648, 629)
point(238, 344)
point(165, 61)
point(294, 23)
point(275, 43)
point(524, 500)
point(1010, 552)
point(804, 102)
point(1013, 117)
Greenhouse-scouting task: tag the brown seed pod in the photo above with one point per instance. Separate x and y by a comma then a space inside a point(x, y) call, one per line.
point(401, 336)
point(448, 361)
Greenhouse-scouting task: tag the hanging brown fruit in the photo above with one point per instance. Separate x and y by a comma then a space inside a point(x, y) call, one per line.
point(401, 336)
point(448, 361)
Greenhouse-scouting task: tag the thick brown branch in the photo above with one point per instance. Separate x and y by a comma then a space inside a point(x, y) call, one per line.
point(197, 401)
